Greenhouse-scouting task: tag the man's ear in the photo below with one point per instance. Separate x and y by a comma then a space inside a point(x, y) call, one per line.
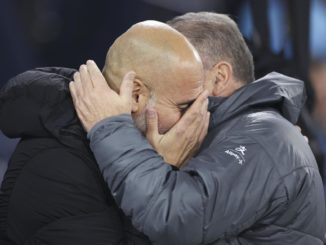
point(223, 74)
point(139, 95)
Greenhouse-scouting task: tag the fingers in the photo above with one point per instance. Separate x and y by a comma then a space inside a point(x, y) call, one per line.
point(202, 97)
point(204, 128)
point(75, 99)
point(200, 123)
point(78, 85)
point(77, 92)
point(185, 137)
point(95, 74)
point(198, 109)
point(200, 105)
point(86, 80)
point(75, 96)
point(195, 121)
point(151, 125)
point(91, 103)
point(298, 128)
point(84, 87)
point(127, 85)
point(72, 88)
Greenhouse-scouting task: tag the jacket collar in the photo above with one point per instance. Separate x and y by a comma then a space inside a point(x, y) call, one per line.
point(285, 94)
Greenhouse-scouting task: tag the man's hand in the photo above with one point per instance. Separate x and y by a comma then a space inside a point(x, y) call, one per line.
point(182, 141)
point(94, 100)
point(300, 130)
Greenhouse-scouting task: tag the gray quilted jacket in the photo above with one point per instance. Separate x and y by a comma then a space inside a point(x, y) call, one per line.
point(255, 180)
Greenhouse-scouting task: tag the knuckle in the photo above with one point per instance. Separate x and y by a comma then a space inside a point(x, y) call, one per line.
point(189, 138)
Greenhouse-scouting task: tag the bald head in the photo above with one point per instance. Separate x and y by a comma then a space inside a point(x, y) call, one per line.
point(169, 71)
point(155, 51)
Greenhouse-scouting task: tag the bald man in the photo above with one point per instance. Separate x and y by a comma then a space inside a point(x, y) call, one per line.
point(152, 49)
point(169, 75)
point(53, 191)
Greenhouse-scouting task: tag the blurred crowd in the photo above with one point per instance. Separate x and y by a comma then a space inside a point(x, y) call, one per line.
point(287, 36)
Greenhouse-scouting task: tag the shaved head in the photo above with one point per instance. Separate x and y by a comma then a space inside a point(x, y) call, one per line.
point(168, 68)
point(154, 50)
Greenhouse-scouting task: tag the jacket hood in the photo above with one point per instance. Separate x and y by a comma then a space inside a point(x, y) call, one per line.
point(37, 103)
point(285, 94)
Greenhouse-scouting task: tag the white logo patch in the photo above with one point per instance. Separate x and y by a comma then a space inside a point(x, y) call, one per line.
point(238, 153)
point(241, 149)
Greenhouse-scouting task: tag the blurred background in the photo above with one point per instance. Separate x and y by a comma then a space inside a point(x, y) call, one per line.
point(287, 36)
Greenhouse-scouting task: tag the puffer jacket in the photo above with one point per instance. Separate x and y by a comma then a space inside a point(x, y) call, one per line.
point(254, 181)
point(53, 192)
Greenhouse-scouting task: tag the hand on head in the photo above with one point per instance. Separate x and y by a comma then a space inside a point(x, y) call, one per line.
point(169, 77)
point(94, 100)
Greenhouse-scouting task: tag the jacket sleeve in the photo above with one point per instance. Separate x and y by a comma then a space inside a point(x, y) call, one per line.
point(214, 197)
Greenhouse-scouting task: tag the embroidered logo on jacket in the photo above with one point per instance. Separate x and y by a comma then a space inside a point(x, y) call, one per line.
point(238, 153)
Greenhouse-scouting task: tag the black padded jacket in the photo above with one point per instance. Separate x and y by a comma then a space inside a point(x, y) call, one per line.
point(53, 192)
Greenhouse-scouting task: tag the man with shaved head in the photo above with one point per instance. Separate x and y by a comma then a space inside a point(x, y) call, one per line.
point(152, 49)
point(254, 180)
point(53, 191)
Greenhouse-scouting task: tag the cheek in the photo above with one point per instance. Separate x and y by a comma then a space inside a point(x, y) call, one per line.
point(167, 118)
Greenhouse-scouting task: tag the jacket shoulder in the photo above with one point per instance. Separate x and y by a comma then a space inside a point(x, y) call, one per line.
point(37, 77)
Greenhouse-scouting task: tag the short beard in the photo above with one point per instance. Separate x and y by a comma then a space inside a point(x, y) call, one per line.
point(140, 120)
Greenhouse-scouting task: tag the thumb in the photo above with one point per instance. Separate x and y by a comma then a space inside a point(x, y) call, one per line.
point(152, 124)
point(127, 86)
